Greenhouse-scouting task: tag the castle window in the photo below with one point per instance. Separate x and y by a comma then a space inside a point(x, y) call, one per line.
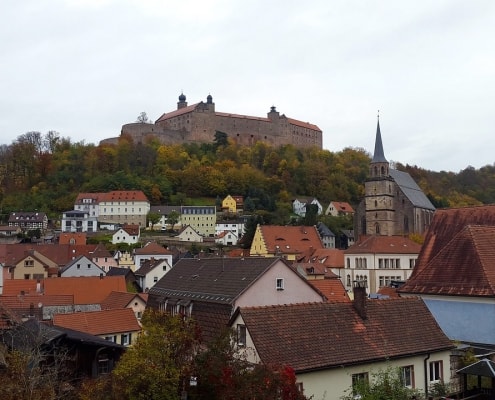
point(377, 228)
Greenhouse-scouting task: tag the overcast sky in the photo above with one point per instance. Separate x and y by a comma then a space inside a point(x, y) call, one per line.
point(85, 67)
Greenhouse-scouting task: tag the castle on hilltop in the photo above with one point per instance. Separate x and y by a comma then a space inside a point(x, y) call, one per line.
point(199, 122)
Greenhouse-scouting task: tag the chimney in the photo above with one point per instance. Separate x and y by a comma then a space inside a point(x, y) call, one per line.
point(359, 301)
point(101, 275)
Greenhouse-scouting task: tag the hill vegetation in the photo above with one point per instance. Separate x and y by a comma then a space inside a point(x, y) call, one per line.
point(46, 172)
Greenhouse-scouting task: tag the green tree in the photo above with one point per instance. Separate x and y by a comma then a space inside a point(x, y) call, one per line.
point(172, 219)
point(154, 368)
point(153, 218)
point(221, 139)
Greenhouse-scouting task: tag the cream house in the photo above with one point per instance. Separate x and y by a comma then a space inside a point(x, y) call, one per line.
point(379, 261)
point(33, 265)
point(331, 345)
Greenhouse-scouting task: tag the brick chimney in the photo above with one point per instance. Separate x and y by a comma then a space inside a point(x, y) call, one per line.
point(360, 296)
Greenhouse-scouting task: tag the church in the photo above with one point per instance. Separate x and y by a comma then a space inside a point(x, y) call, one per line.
point(393, 203)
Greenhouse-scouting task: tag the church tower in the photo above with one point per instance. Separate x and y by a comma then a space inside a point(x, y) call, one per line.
point(379, 215)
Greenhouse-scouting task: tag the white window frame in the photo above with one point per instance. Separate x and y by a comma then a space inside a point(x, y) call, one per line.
point(241, 335)
point(280, 284)
point(436, 371)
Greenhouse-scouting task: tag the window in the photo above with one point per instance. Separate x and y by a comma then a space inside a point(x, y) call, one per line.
point(78, 266)
point(359, 381)
point(280, 284)
point(111, 338)
point(155, 279)
point(125, 339)
point(407, 376)
point(29, 263)
point(103, 365)
point(436, 368)
point(412, 263)
point(241, 335)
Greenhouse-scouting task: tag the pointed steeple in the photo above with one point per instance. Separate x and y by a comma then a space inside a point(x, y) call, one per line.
point(378, 155)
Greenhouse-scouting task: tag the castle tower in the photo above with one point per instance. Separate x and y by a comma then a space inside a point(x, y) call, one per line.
point(379, 216)
point(182, 101)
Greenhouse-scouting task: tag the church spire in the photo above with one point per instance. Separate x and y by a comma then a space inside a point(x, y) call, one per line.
point(378, 155)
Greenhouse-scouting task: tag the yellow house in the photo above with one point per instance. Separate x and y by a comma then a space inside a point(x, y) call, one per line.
point(289, 242)
point(34, 265)
point(229, 204)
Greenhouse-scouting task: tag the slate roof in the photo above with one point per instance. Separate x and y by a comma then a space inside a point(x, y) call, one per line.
point(378, 244)
point(85, 289)
point(290, 239)
point(315, 336)
point(411, 190)
point(99, 322)
point(216, 280)
point(465, 266)
point(378, 154)
point(324, 230)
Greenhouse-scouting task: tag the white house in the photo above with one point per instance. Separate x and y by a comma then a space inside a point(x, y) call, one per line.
point(78, 221)
point(339, 208)
point(150, 272)
point(152, 250)
point(188, 234)
point(331, 345)
point(380, 260)
point(81, 266)
point(299, 206)
point(226, 238)
point(129, 234)
point(234, 226)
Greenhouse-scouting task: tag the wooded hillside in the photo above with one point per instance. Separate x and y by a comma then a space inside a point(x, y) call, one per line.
point(46, 172)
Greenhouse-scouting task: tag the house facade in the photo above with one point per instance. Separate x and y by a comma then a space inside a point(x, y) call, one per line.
point(82, 266)
point(327, 236)
point(78, 221)
point(235, 226)
point(299, 206)
point(328, 344)
point(379, 261)
point(152, 250)
point(393, 203)
point(339, 208)
point(150, 272)
point(33, 265)
point(129, 233)
point(115, 207)
point(188, 234)
point(202, 219)
point(28, 221)
point(226, 238)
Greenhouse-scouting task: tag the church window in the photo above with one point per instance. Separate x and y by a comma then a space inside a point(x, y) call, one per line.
point(383, 170)
point(376, 171)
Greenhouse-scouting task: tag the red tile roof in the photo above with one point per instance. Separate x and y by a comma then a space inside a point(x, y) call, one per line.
point(123, 195)
point(152, 248)
point(15, 302)
point(465, 266)
point(180, 111)
point(384, 245)
point(333, 289)
point(291, 239)
point(131, 229)
point(14, 287)
point(446, 224)
point(121, 300)
point(329, 258)
point(99, 322)
point(342, 207)
point(86, 290)
point(333, 335)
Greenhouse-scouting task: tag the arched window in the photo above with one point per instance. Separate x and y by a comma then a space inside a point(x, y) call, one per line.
point(383, 170)
point(348, 280)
